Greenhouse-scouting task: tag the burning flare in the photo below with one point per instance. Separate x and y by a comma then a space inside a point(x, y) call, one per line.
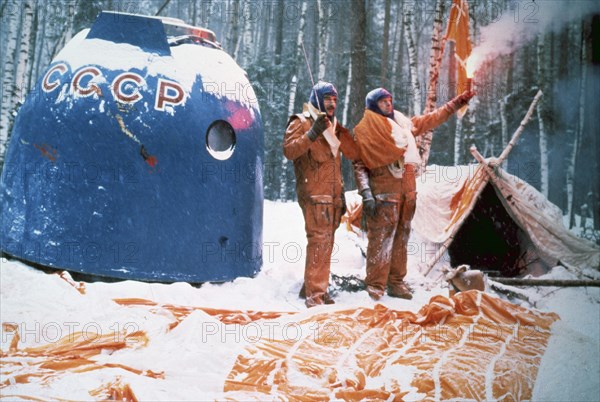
point(473, 63)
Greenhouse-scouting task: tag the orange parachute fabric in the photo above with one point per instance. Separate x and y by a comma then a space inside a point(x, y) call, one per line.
point(470, 346)
point(225, 316)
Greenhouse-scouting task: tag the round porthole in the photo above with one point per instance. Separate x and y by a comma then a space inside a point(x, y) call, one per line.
point(220, 140)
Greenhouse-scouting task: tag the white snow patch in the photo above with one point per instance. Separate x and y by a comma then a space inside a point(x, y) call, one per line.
point(197, 355)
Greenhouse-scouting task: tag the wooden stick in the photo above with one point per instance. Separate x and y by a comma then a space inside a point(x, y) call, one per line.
point(520, 129)
point(510, 291)
point(547, 282)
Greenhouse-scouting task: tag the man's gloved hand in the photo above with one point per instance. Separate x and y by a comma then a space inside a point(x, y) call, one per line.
point(369, 205)
point(344, 209)
point(318, 127)
point(461, 100)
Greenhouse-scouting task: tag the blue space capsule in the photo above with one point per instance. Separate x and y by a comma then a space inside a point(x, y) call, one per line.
point(138, 155)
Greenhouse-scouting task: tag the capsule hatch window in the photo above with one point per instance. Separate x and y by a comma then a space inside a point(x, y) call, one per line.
point(220, 140)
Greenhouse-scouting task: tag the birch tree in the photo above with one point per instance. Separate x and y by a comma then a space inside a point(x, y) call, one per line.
point(458, 140)
point(322, 32)
point(435, 60)
point(283, 191)
point(451, 87)
point(22, 68)
point(347, 96)
point(397, 60)
point(245, 44)
point(8, 75)
point(543, 143)
point(413, 61)
point(503, 124)
point(578, 132)
point(279, 13)
point(265, 29)
point(385, 50)
point(67, 29)
point(358, 58)
point(233, 23)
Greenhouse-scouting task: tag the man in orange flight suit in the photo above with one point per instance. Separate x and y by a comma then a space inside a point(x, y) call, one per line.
point(385, 177)
point(313, 140)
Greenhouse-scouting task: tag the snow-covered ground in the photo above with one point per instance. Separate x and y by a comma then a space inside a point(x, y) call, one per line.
point(197, 355)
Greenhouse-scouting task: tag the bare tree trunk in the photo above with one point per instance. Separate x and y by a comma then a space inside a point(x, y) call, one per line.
point(542, 82)
point(413, 62)
point(359, 61)
point(509, 73)
point(571, 173)
point(347, 97)
point(233, 35)
point(451, 86)
point(245, 44)
point(265, 25)
point(194, 13)
point(503, 122)
point(67, 34)
point(21, 78)
point(283, 191)
point(384, 80)
point(34, 40)
point(279, 32)
point(458, 142)
point(298, 52)
point(577, 140)
point(578, 134)
point(435, 60)
point(323, 36)
point(435, 57)
point(398, 48)
point(8, 81)
point(593, 125)
point(283, 187)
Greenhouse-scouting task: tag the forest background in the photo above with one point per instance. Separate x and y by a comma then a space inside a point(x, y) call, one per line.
point(553, 45)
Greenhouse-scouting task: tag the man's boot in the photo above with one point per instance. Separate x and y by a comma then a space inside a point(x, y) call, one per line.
point(327, 299)
point(400, 290)
point(375, 292)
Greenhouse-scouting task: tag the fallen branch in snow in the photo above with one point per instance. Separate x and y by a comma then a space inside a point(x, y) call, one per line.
point(509, 291)
point(348, 283)
point(547, 282)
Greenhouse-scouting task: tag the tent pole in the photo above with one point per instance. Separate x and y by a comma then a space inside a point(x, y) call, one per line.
point(520, 129)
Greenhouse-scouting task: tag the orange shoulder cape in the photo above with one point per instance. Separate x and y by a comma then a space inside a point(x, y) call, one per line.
point(373, 135)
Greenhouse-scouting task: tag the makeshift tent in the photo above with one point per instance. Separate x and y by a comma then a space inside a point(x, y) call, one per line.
point(502, 225)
